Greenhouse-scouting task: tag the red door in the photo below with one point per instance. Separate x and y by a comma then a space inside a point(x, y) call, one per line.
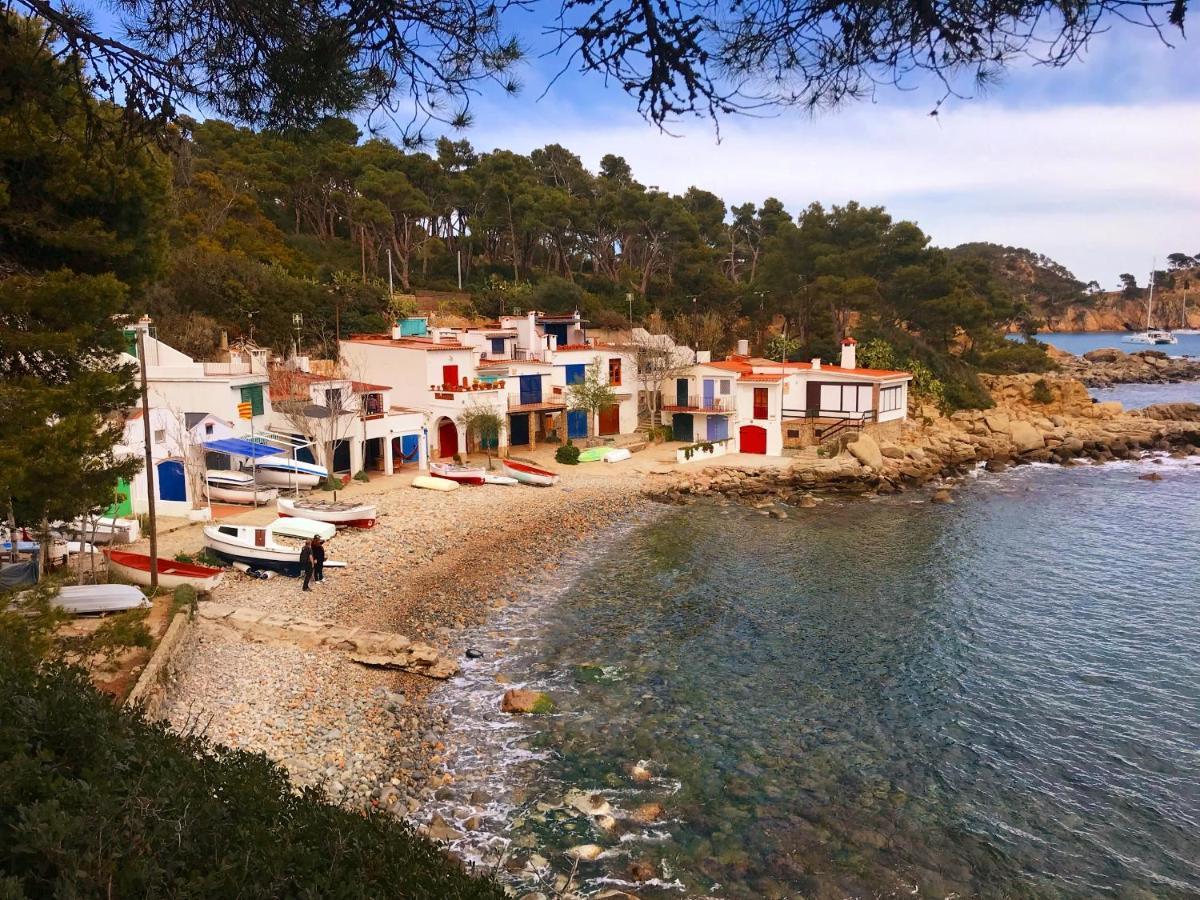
point(753, 439)
point(447, 439)
point(610, 419)
point(760, 403)
point(450, 375)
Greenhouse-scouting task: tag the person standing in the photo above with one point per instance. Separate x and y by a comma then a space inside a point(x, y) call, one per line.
point(306, 563)
point(318, 557)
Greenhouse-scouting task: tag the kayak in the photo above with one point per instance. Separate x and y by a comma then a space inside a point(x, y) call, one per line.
point(527, 474)
point(434, 484)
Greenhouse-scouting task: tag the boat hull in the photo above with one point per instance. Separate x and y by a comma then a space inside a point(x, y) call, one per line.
point(302, 529)
point(97, 599)
point(286, 478)
point(461, 474)
point(278, 559)
point(259, 497)
point(135, 567)
point(432, 483)
point(527, 474)
point(108, 531)
point(362, 515)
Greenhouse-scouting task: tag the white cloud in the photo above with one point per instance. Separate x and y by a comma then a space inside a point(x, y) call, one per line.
point(1100, 188)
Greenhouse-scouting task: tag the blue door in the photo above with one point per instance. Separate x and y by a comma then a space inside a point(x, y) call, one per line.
point(718, 428)
point(577, 424)
point(498, 346)
point(518, 429)
point(171, 483)
point(681, 392)
point(681, 426)
point(531, 391)
point(576, 373)
point(709, 392)
point(409, 449)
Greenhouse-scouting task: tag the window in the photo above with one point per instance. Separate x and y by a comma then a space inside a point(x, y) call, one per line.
point(725, 385)
point(498, 346)
point(760, 403)
point(372, 404)
point(890, 398)
point(333, 398)
point(576, 373)
point(253, 394)
point(614, 371)
point(160, 436)
point(208, 428)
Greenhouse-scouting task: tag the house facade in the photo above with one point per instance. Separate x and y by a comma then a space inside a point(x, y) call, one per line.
point(762, 406)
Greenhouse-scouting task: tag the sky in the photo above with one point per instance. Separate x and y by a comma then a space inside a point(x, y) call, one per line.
point(1096, 165)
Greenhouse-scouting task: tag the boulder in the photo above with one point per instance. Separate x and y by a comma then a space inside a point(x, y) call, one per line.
point(647, 813)
point(866, 450)
point(942, 496)
point(589, 804)
point(585, 852)
point(1153, 476)
point(997, 423)
point(439, 830)
point(1025, 437)
point(518, 700)
point(892, 452)
point(642, 870)
point(1107, 408)
point(1105, 355)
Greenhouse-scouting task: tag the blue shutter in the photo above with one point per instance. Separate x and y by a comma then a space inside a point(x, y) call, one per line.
point(497, 345)
point(576, 373)
point(577, 423)
point(531, 388)
point(718, 428)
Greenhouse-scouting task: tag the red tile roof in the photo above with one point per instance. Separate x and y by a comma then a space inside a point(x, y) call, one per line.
point(762, 376)
point(406, 343)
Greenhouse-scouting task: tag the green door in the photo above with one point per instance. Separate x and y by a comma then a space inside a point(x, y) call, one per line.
point(123, 500)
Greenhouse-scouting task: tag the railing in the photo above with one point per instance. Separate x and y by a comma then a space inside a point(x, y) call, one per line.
point(700, 404)
point(843, 420)
point(514, 356)
point(227, 368)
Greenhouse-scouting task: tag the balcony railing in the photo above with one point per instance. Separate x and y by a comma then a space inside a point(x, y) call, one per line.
point(700, 404)
point(456, 391)
point(515, 356)
point(227, 368)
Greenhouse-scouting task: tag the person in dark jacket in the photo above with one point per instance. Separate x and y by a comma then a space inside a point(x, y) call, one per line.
point(318, 556)
point(306, 563)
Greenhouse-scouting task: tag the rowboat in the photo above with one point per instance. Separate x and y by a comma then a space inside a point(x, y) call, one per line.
point(618, 455)
point(302, 529)
point(489, 478)
point(253, 545)
point(105, 530)
point(461, 474)
point(430, 483)
point(527, 474)
point(595, 454)
point(340, 513)
point(285, 472)
point(232, 486)
point(135, 567)
point(96, 599)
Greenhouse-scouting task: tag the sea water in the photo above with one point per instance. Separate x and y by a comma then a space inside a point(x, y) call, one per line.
point(995, 697)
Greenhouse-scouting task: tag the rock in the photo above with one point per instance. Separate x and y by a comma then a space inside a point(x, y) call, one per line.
point(518, 700)
point(614, 894)
point(585, 852)
point(942, 496)
point(589, 804)
point(1105, 355)
point(1025, 437)
point(1153, 476)
point(472, 653)
point(891, 451)
point(606, 823)
point(997, 423)
point(439, 830)
point(808, 501)
point(1107, 409)
point(642, 870)
point(866, 450)
point(640, 771)
point(647, 813)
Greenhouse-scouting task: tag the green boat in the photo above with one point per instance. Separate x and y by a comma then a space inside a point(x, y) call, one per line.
point(595, 454)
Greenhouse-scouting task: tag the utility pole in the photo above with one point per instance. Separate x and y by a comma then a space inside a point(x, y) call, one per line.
point(146, 430)
point(458, 256)
point(391, 290)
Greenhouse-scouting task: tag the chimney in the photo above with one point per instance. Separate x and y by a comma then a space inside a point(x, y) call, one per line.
point(743, 347)
point(224, 340)
point(848, 360)
point(703, 356)
point(816, 363)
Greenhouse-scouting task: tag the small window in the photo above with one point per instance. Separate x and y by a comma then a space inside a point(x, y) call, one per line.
point(228, 529)
point(253, 395)
point(208, 428)
point(725, 385)
point(614, 371)
point(793, 432)
point(160, 436)
point(333, 398)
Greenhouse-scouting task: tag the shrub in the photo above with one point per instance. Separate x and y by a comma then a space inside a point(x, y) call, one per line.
point(331, 483)
point(98, 802)
point(1041, 392)
point(567, 454)
point(184, 557)
point(127, 629)
point(184, 597)
point(361, 475)
point(1013, 357)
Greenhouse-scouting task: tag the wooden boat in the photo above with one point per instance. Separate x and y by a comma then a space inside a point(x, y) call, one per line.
point(302, 529)
point(618, 455)
point(232, 486)
point(284, 472)
point(527, 474)
point(135, 567)
point(105, 530)
point(431, 483)
point(340, 513)
point(489, 478)
point(253, 545)
point(97, 599)
point(461, 474)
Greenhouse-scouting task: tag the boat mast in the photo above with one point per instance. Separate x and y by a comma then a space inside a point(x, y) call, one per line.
point(1150, 302)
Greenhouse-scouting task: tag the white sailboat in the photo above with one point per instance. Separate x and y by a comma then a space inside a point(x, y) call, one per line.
point(1151, 335)
point(1183, 329)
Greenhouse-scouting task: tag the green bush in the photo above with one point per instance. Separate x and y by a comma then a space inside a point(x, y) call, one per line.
point(127, 629)
point(567, 454)
point(1041, 392)
point(332, 483)
point(98, 802)
point(184, 557)
point(184, 597)
point(1012, 357)
point(362, 475)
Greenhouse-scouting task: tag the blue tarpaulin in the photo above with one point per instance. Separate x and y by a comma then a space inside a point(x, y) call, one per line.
point(240, 447)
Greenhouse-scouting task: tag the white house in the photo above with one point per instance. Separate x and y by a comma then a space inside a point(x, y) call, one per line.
point(762, 406)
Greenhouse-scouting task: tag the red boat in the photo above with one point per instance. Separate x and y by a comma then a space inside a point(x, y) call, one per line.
point(527, 474)
point(135, 567)
point(461, 474)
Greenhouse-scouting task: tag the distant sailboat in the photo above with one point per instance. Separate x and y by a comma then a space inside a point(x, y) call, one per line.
point(1183, 325)
point(1151, 335)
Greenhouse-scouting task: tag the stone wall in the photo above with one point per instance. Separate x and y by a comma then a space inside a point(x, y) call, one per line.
point(169, 657)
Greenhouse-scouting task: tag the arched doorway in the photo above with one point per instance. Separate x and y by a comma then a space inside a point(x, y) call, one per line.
point(447, 438)
point(753, 439)
point(171, 482)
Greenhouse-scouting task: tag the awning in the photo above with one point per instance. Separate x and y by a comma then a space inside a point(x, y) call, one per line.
point(240, 447)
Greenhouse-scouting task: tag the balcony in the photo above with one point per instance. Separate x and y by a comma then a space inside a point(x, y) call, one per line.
point(462, 391)
point(515, 356)
point(701, 405)
point(227, 368)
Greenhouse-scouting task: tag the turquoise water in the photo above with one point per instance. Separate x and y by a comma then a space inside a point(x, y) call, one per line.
point(998, 697)
point(1138, 396)
point(1080, 342)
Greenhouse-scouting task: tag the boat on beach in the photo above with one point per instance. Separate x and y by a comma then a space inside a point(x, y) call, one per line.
point(499, 479)
point(461, 474)
point(253, 545)
point(232, 486)
point(432, 483)
point(97, 599)
point(341, 513)
point(284, 472)
point(135, 567)
point(528, 474)
point(105, 530)
point(302, 529)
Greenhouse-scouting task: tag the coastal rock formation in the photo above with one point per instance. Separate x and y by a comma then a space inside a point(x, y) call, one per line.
point(519, 700)
point(1108, 366)
point(866, 450)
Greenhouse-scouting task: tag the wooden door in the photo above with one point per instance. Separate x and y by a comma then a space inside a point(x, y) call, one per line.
point(450, 375)
point(753, 439)
point(447, 439)
point(610, 419)
point(760, 403)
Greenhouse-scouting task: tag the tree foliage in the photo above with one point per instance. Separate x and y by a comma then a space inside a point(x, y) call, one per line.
point(592, 394)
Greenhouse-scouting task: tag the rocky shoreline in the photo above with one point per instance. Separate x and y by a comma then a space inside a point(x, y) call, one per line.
point(1108, 366)
point(1020, 429)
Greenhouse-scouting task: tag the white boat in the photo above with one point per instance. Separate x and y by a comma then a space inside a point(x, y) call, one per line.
point(135, 567)
point(253, 545)
point(461, 474)
point(302, 529)
point(489, 478)
point(1151, 335)
point(432, 483)
point(232, 486)
point(342, 513)
point(618, 455)
point(105, 530)
point(96, 599)
point(528, 474)
point(284, 472)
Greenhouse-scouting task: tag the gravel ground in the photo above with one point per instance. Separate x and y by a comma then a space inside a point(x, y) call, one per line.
point(434, 564)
